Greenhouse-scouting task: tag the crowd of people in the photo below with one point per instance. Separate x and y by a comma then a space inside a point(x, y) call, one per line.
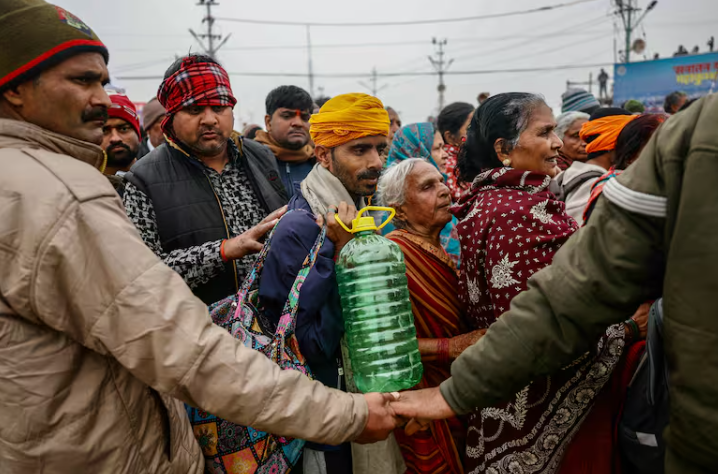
point(541, 249)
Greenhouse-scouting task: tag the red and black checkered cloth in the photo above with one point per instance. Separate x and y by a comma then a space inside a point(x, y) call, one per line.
point(204, 84)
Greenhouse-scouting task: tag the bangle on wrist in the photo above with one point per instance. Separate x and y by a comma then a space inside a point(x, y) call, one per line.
point(221, 251)
point(635, 331)
point(443, 350)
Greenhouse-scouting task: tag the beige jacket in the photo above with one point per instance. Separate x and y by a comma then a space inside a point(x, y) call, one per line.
point(576, 201)
point(100, 342)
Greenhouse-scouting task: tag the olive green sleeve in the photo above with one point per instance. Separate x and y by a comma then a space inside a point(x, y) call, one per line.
point(604, 272)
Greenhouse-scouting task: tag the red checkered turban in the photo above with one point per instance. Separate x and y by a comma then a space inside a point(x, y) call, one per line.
point(203, 84)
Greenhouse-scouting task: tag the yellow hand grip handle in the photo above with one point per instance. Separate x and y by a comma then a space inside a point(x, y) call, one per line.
point(391, 212)
point(336, 218)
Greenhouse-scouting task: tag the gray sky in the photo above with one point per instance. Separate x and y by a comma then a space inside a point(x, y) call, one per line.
point(144, 35)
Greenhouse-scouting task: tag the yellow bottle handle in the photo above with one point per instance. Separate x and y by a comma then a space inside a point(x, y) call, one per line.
point(392, 213)
point(336, 218)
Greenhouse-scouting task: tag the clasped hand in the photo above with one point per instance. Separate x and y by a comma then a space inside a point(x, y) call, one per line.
point(413, 409)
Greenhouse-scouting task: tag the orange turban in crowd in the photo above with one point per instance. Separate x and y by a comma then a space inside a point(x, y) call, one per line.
point(348, 117)
point(606, 131)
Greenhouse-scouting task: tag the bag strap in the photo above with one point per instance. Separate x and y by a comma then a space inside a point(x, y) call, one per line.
point(556, 186)
point(288, 320)
point(657, 367)
point(256, 270)
point(578, 181)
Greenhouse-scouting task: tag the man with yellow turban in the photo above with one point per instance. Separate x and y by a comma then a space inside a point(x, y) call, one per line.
point(600, 134)
point(350, 134)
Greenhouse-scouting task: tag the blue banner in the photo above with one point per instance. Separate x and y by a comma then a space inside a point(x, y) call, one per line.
point(651, 81)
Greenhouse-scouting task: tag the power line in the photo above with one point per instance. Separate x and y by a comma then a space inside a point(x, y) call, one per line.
point(547, 36)
point(526, 39)
point(142, 65)
point(490, 51)
point(264, 47)
point(389, 74)
point(357, 45)
point(410, 22)
point(482, 53)
point(548, 50)
point(528, 69)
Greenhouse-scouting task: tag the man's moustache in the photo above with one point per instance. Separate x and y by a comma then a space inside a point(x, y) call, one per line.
point(96, 113)
point(369, 175)
point(114, 146)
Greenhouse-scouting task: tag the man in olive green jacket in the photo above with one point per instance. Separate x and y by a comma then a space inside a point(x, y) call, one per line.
point(654, 232)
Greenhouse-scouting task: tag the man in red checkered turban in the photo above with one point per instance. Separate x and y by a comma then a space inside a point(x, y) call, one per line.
point(202, 200)
point(192, 89)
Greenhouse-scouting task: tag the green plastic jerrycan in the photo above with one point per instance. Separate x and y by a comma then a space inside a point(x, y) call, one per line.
point(380, 331)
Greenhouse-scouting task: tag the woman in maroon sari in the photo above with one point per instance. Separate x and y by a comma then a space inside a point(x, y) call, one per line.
point(417, 191)
point(510, 227)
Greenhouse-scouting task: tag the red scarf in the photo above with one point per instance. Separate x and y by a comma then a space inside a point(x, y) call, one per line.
point(452, 182)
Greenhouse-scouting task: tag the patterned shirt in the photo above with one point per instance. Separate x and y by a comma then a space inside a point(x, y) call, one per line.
point(199, 264)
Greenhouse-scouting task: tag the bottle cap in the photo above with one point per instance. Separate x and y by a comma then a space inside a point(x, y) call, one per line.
point(360, 223)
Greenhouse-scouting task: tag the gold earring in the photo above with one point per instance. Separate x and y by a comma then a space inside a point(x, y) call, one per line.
point(507, 162)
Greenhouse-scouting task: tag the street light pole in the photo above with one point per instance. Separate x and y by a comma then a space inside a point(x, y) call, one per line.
point(211, 49)
point(310, 72)
point(628, 11)
point(441, 66)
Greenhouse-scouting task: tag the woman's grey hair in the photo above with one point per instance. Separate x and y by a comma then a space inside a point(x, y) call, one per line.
point(522, 108)
point(566, 119)
point(391, 189)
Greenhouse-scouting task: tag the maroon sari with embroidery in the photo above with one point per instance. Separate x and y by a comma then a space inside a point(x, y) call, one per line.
point(510, 227)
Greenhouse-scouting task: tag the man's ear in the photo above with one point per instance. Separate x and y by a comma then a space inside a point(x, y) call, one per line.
point(268, 123)
point(14, 96)
point(323, 155)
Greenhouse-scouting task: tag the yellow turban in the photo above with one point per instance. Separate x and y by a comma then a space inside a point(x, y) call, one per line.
point(348, 117)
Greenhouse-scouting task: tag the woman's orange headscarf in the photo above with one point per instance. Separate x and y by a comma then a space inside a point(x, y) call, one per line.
point(607, 128)
point(348, 117)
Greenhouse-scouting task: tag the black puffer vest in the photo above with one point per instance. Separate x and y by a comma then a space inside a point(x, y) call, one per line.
point(188, 211)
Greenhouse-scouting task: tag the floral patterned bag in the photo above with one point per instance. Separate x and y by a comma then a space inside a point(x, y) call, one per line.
point(235, 449)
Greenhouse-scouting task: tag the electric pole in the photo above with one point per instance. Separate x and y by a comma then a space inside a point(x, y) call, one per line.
point(373, 87)
point(629, 13)
point(310, 72)
point(441, 66)
point(209, 35)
